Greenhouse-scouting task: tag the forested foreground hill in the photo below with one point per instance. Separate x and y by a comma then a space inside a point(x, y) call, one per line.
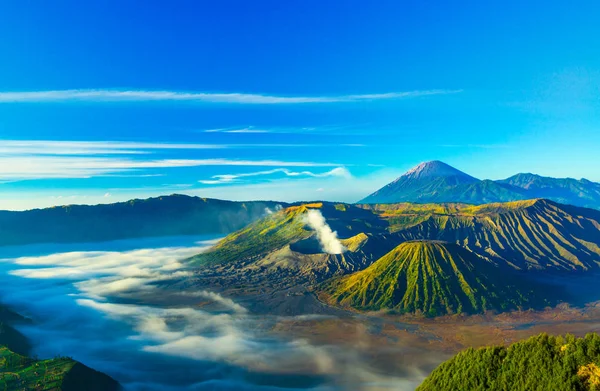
point(20, 373)
point(539, 363)
point(161, 216)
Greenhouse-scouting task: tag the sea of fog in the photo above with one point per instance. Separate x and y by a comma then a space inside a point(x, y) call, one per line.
point(81, 299)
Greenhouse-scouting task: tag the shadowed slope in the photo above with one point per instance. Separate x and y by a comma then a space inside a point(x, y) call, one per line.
point(432, 278)
point(565, 190)
point(161, 216)
point(436, 181)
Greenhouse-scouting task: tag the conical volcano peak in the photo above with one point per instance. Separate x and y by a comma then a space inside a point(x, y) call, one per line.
point(435, 168)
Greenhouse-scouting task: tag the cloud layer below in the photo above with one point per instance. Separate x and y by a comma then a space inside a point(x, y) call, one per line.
point(181, 347)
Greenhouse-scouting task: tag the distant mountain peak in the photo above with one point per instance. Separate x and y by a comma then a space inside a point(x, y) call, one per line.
point(434, 168)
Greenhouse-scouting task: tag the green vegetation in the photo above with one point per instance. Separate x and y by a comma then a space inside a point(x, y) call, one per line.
point(539, 363)
point(476, 270)
point(286, 227)
point(18, 373)
point(531, 234)
point(260, 237)
point(432, 278)
point(161, 216)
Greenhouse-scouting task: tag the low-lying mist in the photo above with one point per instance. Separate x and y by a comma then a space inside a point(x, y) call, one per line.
point(88, 302)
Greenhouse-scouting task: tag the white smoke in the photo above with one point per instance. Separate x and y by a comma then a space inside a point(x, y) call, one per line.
point(269, 211)
point(327, 238)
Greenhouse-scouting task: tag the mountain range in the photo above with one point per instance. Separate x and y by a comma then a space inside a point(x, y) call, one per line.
point(160, 216)
point(436, 181)
point(431, 259)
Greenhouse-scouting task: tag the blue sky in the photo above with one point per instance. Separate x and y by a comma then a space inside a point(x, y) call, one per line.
point(294, 100)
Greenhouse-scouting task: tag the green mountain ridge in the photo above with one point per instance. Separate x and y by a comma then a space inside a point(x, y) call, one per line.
point(539, 363)
point(281, 251)
point(282, 244)
point(433, 278)
point(532, 234)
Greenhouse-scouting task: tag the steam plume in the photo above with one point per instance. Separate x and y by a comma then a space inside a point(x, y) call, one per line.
point(327, 238)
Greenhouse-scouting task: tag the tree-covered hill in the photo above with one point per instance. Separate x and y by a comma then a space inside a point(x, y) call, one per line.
point(20, 373)
point(540, 363)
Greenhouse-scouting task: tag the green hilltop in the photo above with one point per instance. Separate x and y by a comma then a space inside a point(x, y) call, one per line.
point(286, 227)
point(539, 363)
point(20, 373)
point(261, 237)
point(432, 278)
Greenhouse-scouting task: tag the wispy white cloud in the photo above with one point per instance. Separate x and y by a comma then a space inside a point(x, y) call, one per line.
point(69, 147)
point(341, 172)
point(248, 129)
point(115, 95)
point(41, 167)
point(85, 148)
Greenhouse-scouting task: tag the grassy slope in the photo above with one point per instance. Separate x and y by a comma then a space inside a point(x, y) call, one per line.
point(260, 237)
point(434, 279)
point(22, 373)
point(532, 234)
point(286, 227)
point(539, 363)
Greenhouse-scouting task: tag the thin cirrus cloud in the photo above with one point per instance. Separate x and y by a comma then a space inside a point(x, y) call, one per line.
point(110, 95)
point(249, 129)
point(340, 172)
point(46, 167)
point(59, 147)
point(55, 147)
